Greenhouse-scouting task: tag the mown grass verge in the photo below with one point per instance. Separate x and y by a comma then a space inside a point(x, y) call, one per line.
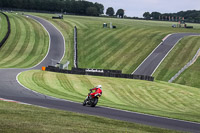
point(27, 44)
point(182, 53)
point(190, 76)
point(158, 98)
point(17, 118)
point(123, 48)
point(3, 26)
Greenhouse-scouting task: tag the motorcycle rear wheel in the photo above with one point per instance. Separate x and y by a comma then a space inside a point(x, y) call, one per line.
point(84, 103)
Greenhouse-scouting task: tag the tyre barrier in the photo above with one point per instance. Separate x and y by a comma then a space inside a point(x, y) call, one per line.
point(56, 18)
point(8, 32)
point(99, 72)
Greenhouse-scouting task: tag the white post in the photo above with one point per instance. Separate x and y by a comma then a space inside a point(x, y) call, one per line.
point(111, 25)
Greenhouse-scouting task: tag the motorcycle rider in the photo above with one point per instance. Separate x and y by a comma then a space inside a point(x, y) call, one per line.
point(98, 90)
point(92, 98)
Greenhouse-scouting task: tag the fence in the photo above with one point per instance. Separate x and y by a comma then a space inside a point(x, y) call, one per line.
point(8, 32)
point(75, 48)
point(185, 67)
point(99, 72)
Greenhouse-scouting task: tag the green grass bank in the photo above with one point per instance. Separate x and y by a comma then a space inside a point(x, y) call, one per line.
point(17, 118)
point(3, 26)
point(157, 98)
point(191, 76)
point(123, 48)
point(27, 44)
point(127, 46)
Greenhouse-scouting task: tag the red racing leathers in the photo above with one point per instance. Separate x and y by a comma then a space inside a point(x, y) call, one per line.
point(97, 90)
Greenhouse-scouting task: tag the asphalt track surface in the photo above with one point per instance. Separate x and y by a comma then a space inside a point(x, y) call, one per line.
point(11, 89)
point(151, 63)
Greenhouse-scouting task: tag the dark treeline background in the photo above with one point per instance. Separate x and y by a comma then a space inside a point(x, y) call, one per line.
point(189, 16)
point(79, 7)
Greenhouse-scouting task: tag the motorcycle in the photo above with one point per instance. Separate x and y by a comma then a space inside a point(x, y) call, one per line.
point(91, 100)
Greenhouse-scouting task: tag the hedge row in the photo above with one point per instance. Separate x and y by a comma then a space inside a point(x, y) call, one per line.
point(8, 32)
point(105, 73)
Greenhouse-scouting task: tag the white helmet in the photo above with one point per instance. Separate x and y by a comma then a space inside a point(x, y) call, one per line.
point(99, 86)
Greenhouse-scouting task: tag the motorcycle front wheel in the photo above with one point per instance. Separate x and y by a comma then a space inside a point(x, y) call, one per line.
point(94, 102)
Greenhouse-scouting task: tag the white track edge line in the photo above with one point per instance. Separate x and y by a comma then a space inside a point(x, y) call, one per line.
point(18, 102)
point(146, 58)
point(46, 53)
point(151, 53)
point(169, 52)
point(80, 103)
point(60, 33)
point(49, 45)
point(165, 56)
point(103, 106)
point(48, 48)
point(41, 93)
point(25, 69)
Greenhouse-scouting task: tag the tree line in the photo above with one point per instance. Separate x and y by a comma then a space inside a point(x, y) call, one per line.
point(111, 12)
point(79, 7)
point(188, 16)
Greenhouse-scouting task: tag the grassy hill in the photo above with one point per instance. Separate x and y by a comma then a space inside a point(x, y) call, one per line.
point(17, 118)
point(182, 53)
point(97, 47)
point(191, 76)
point(123, 48)
point(27, 44)
point(158, 98)
point(3, 26)
point(127, 46)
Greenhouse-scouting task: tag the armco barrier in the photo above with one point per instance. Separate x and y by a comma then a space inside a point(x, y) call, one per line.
point(8, 32)
point(75, 48)
point(185, 67)
point(97, 72)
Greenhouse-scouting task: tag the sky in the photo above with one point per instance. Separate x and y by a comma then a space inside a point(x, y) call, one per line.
point(136, 8)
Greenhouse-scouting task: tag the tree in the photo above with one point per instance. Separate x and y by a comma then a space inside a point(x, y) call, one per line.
point(110, 11)
point(100, 8)
point(146, 15)
point(155, 15)
point(91, 11)
point(120, 13)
